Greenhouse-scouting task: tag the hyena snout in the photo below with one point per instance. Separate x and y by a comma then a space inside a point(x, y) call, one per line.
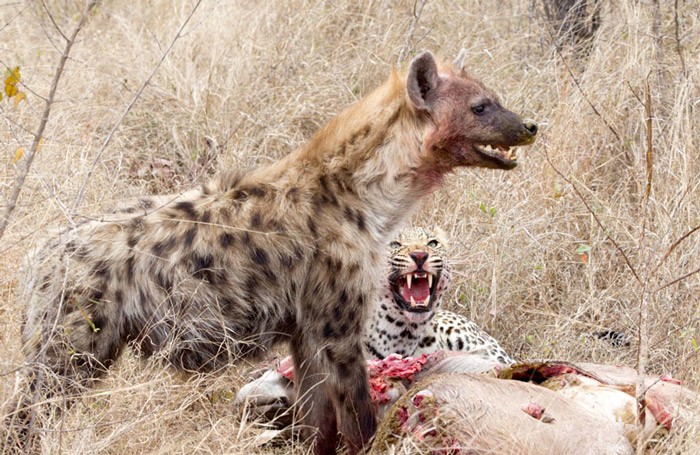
point(531, 127)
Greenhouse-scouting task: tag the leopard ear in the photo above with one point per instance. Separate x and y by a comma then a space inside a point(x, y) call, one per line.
point(422, 81)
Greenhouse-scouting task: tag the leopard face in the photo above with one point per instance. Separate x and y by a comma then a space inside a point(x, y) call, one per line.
point(418, 273)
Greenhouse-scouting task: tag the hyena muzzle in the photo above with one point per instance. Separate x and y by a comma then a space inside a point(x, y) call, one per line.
point(288, 252)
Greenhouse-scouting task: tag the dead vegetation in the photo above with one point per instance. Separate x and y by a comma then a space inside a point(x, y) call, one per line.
point(246, 82)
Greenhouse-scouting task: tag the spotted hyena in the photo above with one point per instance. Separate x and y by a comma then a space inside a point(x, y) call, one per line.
point(289, 252)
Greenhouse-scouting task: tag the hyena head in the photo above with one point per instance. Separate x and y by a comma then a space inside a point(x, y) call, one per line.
point(470, 126)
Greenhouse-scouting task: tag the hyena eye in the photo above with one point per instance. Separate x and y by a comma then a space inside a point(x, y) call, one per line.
point(433, 243)
point(394, 244)
point(479, 110)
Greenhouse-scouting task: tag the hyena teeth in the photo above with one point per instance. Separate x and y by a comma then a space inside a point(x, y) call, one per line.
point(430, 280)
point(409, 279)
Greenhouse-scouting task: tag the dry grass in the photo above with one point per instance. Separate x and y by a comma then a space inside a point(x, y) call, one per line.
point(260, 77)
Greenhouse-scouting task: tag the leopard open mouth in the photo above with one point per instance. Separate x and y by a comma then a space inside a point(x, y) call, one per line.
point(414, 291)
point(501, 153)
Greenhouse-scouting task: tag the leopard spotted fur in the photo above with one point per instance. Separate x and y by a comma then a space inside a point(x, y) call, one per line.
point(401, 326)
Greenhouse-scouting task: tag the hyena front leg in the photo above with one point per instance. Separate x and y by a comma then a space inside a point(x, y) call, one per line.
point(332, 384)
point(354, 407)
point(314, 401)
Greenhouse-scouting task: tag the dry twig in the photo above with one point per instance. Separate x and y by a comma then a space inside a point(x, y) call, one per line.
point(417, 11)
point(29, 159)
point(679, 46)
point(643, 325)
point(595, 217)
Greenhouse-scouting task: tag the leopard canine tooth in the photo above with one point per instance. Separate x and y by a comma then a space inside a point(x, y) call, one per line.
point(413, 302)
point(426, 302)
point(409, 279)
point(430, 281)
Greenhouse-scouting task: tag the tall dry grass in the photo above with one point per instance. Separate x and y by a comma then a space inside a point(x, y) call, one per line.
point(250, 80)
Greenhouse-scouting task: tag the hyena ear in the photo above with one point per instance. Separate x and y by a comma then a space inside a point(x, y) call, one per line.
point(423, 81)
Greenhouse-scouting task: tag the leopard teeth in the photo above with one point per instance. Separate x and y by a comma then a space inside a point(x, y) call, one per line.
point(413, 302)
point(409, 279)
point(430, 281)
point(426, 302)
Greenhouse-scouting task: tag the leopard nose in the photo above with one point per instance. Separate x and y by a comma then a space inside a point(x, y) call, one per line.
point(530, 126)
point(419, 257)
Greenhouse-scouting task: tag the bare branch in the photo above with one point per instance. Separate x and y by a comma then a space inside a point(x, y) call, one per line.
point(585, 96)
point(648, 112)
point(679, 46)
point(29, 157)
point(108, 139)
point(53, 21)
point(675, 244)
point(680, 278)
point(417, 11)
point(643, 326)
point(650, 142)
point(595, 217)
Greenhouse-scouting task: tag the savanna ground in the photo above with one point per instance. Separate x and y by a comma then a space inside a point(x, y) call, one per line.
point(247, 81)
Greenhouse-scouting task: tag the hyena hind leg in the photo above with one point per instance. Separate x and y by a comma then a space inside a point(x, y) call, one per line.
point(61, 363)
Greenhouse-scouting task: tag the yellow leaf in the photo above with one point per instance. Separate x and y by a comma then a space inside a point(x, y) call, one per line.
point(11, 81)
point(18, 99)
point(18, 155)
point(10, 90)
point(13, 76)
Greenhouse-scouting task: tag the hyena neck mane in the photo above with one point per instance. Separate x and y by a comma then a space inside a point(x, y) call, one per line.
point(394, 146)
point(369, 153)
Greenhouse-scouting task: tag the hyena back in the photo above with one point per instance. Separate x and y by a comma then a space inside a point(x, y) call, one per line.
point(289, 252)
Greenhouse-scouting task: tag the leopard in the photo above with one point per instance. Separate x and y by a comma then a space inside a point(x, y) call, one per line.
point(407, 319)
point(286, 252)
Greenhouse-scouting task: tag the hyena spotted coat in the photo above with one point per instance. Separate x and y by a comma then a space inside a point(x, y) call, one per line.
point(289, 252)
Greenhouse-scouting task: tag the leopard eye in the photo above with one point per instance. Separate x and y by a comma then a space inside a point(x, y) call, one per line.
point(433, 243)
point(394, 244)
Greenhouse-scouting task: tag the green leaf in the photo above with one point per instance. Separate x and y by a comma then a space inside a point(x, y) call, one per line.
point(492, 211)
point(583, 248)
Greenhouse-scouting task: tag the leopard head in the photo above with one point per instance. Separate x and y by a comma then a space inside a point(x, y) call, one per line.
point(418, 272)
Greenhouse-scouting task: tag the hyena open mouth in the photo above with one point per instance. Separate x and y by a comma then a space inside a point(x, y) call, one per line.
point(502, 153)
point(505, 154)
